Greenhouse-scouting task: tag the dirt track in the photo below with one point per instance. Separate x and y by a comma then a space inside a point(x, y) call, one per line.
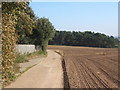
point(90, 67)
point(47, 74)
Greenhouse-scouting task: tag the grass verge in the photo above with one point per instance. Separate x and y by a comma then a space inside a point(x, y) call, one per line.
point(21, 58)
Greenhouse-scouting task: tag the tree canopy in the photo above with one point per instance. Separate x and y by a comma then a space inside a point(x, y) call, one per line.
point(43, 32)
point(86, 38)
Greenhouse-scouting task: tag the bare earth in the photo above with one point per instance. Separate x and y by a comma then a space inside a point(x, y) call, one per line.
point(47, 74)
point(90, 67)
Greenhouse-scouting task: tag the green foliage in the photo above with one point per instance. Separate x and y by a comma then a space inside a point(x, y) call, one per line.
point(45, 28)
point(25, 18)
point(43, 32)
point(25, 25)
point(86, 38)
point(36, 53)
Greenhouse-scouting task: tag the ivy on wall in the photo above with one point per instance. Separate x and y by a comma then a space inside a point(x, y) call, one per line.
point(8, 47)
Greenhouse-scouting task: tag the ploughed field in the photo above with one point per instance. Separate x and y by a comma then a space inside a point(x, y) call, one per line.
point(90, 67)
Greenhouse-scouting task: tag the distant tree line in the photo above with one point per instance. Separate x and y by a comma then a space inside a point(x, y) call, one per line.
point(87, 38)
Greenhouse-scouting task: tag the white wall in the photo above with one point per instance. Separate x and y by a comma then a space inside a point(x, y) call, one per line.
point(25, 48)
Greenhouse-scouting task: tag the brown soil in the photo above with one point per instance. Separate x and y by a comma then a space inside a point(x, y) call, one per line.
point(90, 67)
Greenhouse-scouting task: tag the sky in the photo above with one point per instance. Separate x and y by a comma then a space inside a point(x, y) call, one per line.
point(99, 17)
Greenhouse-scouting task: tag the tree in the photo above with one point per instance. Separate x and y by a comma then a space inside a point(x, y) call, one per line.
point(43, 32)
point(25, 25)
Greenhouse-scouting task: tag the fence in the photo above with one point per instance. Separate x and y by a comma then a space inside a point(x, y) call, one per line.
point(25, 48)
